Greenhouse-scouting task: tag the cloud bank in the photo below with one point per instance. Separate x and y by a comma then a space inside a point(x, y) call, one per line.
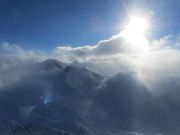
point(154, 61)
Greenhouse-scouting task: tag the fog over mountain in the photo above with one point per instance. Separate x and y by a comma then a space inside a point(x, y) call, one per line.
point(109, 88)
point(67, 98)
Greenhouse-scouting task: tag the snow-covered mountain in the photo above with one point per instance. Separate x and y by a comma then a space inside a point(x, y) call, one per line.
point(55, 98)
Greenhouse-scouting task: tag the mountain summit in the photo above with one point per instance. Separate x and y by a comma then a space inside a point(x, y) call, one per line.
point(51, 64)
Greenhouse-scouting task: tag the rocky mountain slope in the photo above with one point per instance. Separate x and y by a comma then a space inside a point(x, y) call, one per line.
point(54, 98)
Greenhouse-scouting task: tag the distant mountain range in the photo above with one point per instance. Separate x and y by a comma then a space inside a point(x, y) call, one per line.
point(58, 99)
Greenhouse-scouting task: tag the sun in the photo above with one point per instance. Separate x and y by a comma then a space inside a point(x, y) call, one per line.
point(137, 25)
point(134, 32)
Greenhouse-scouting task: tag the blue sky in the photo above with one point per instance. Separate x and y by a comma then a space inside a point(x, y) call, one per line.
point(45, 24)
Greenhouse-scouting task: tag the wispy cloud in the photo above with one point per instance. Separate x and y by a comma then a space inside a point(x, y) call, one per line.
point(14, 62)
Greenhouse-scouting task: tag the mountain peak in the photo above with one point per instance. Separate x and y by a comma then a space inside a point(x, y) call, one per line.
point(52, 63)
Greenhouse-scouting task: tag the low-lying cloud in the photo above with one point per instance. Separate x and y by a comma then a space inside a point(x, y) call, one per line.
point(153, 63)
point(15, 62)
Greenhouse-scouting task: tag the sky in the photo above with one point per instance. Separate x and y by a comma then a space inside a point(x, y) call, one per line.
point(44, 24)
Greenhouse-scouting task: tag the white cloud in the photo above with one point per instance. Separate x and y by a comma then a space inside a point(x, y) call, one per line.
point(156, 64)
point(14, 51)
point(114, 46)
point(159, 62)
point(15, 62)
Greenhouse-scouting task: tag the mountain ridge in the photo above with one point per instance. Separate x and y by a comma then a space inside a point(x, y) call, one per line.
point(69, 98)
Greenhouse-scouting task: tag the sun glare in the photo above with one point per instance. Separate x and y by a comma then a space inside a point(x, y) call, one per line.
point(137, 25)
point(134, 32)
